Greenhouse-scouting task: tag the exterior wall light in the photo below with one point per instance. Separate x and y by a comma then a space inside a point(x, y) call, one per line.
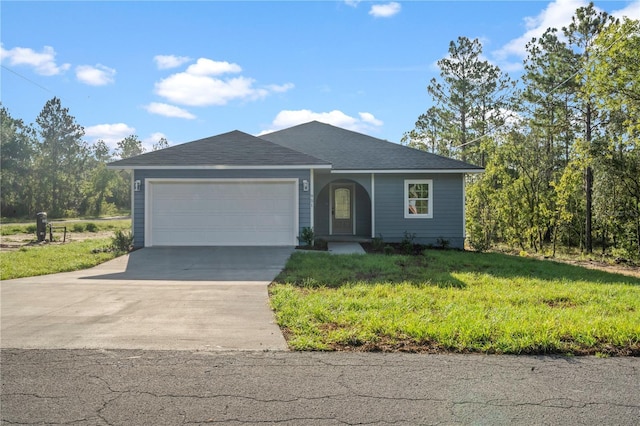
point(136, 185)
point(305, 185)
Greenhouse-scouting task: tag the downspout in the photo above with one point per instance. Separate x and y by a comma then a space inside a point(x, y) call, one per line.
point(373, 206)
point(133, 203)
point(464, 209)
point(311, 199)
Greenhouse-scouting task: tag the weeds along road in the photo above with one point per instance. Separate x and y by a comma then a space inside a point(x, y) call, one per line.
point(125, 387)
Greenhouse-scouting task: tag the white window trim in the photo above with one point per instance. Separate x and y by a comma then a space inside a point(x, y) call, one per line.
point(408, 182)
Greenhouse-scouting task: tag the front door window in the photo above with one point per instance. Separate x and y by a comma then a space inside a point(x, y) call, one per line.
point(342, 210)
point(343, 203)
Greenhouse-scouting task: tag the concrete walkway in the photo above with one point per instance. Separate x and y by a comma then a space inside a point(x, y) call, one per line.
point(212, 298)
point(345, 248)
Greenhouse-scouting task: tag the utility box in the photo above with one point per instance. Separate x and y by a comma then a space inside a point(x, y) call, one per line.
point(41, 226)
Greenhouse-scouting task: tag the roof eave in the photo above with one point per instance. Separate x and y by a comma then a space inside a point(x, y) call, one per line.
point(219, 167)
point(397, 171)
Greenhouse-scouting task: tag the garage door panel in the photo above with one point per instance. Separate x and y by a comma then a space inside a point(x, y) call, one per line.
point(199, 238)
point(222, 213)
point(235, 222)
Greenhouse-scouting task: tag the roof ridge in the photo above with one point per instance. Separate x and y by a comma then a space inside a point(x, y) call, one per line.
point(233, 148)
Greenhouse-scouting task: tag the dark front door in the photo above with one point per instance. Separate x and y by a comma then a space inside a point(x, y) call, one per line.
point(342, 209)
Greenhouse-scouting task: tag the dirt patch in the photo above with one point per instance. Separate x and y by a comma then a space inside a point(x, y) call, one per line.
point(629, 270)
point(18, 241)
point(623, 268)
point(560, 302)
point(386, 344)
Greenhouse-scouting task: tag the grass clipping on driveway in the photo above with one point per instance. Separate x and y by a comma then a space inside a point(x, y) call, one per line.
point(450, 301)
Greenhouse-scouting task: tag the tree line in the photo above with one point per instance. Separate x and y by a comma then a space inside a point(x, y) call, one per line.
point(560, 146)
point(48, 166)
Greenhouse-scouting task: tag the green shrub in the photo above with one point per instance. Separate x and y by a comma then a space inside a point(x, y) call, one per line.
point(443, 243)
point(77, 227)
point(377, 244)
point(406, 245)
point(122, 241)
point(31, 229)
point(479, 244)
point(91, 227)
point(306, 236)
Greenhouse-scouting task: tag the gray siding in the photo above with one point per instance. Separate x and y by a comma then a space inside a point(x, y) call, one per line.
point(321, 212)
point(448, 212)
point(363, 212)
point(304, 219)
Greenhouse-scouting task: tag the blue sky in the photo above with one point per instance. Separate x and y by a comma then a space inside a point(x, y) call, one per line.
point(188, 70)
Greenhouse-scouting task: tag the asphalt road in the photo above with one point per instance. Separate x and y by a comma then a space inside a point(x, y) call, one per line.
point(134, 387)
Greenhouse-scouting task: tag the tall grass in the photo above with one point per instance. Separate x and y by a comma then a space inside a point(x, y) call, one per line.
point(72, 226)
point(455, 301)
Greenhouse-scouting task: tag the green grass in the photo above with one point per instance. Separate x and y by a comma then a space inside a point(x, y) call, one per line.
point(455, 301)
point(72, 226)
point(50, 259)
point(14, 229)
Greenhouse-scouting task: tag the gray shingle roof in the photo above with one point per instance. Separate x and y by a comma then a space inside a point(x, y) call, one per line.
point(311, 144)
point(348, 150)
point(228, 149)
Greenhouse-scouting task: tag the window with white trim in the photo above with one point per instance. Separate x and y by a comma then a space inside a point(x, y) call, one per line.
point(418, 199)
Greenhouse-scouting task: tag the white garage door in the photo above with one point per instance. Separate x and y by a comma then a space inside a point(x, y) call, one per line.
point(204, 213)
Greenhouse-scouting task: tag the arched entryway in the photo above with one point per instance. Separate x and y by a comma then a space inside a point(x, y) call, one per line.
point(343, 211)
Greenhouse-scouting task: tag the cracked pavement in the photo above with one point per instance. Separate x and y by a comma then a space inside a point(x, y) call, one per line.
point(136, 387)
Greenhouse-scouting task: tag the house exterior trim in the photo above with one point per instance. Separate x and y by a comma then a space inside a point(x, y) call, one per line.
point(221, 167)
point(405, 171)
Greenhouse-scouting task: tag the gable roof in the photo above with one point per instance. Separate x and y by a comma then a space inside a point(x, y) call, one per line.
point(348, 150)
point(232, 149)
point(309, 145)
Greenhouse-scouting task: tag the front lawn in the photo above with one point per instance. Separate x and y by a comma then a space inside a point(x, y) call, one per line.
point(455, 301)
point(45, 259)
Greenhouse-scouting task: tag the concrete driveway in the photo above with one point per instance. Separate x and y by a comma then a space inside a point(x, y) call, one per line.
point(187, 298)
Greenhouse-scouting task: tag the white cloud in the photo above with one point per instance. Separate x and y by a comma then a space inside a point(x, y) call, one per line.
point(368, 118)
point(168, 110)
point(556, 15)
point(193, 90)
point(98, 75)
point(111, 134)
point(202, 84)
point(631, 11)
point(280, 88)
point(206, 66)
point(352, 3)
point(385, 10)
point(43, 63)
point(170, 61)
point(287, 118)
